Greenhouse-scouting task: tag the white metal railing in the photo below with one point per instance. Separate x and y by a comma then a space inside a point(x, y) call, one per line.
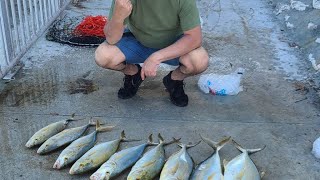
point(21, 23)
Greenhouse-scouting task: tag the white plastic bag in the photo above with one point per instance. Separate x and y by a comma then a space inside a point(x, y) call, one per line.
point(316, 148)
point(316, 4)
point(221, 84)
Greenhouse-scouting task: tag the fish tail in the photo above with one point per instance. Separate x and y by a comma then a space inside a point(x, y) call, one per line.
point(216, 145)
point(174, 140)
point(124, 138)
point(123, 135)
point(72, 119)
point(249, 151)
point(92, 122)
point(189, 145)
point(150, 141)
point(161, 140)
point(100, 128)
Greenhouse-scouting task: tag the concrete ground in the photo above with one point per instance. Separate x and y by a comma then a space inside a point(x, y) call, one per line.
point(277, 108)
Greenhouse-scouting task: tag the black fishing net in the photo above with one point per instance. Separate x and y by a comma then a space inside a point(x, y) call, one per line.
point(63, 31)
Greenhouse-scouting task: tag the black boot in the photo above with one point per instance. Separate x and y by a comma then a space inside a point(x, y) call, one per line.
point(175, 88)
point(131, 85)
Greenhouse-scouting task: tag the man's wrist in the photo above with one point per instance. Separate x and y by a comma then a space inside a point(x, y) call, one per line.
point(118, 19)
point(159, 57)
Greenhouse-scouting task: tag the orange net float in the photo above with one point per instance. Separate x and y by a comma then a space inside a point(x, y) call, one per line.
point(91, 26)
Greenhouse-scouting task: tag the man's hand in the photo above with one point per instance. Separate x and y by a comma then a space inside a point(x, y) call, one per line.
point(122, 9)
point(150, 66)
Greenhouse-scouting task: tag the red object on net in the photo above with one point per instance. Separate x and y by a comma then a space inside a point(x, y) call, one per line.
point(91, 26)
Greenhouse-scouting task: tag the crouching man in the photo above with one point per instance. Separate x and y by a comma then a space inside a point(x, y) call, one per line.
point(153, 32)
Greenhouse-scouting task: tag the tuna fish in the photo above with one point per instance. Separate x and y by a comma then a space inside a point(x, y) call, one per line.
point(63, 138)
point(179, 166)
point(210, 169)
point(242, 167)
point(151, 163)
point(45, 133)
point(78, 147)
point(97, 155)
point(120, 161)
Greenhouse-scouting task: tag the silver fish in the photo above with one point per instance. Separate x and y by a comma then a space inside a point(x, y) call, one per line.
point(210, 169)
point(78, 147)
point(120, 161)
point(242, 167)
point(45, 133)
point(97, 155)
point(63, 138)
point(179, 166)
point(151, 163)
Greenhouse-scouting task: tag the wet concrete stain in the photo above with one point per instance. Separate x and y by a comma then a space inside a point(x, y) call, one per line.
point(5, 141)
point(82, 85)
point(40, 89)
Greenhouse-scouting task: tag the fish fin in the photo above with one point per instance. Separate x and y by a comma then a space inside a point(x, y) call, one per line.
point(216, 145)
point(181, 145)
point(124, 138)
point(262, 174)
point(97, 124)
point(174, 140)
point(189, 145)
point(225, 162)
point(161, 140)
point(100, 128)
point(249, 151)
point(72, 119)
point(150, 141)
point(94, 122)
point(123, 135)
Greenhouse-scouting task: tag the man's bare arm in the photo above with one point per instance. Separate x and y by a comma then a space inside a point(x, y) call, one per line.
point(115, 27)
point(191, 40)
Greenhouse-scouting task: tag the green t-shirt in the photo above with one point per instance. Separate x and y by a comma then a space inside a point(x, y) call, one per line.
point(158, 23)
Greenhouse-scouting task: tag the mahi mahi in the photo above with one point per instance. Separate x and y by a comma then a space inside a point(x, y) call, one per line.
point(65, 137)
point(179, 166)
point(210, 169)
point(78, 147)
point(120, 161)
point(242, 167)
point(45, 133)
point(151, 163)
point(97, 155)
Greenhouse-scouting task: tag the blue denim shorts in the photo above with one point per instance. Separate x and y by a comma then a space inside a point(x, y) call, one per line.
point(135, 52)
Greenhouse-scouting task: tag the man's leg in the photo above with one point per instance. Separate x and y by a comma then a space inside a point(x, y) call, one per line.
point(192, 64)
point(111, 57)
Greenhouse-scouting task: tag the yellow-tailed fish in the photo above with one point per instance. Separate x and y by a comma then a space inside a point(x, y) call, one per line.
point(121, 161)
point(210, 169)
point(65, 137)
point(179, 166)
point(242, 167)
point(78, 147)
point(45, 133)
point(151, 163)
point(97, 155)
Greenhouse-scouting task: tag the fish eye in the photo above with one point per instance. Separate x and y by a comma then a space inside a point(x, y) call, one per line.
point(65, 159)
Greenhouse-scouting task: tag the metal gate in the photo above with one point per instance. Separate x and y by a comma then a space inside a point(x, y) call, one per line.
point(22, 22)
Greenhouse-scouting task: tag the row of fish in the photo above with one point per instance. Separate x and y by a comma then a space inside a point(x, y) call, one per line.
point(85, 156)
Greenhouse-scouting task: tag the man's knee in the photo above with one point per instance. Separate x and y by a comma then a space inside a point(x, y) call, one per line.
point(196, 61)
point(107, 56)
